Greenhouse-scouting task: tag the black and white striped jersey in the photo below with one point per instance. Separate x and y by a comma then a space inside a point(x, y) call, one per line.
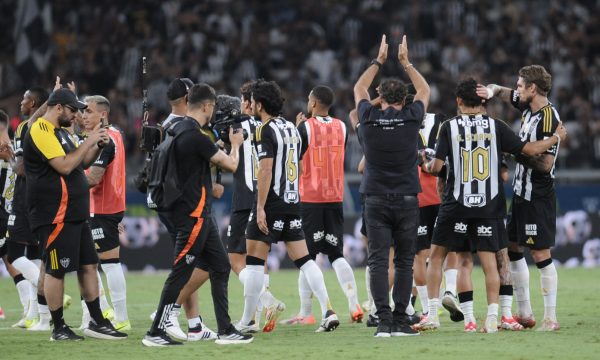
point(429, 130)
point(279, 139)
point(7, 188)
point(538, 125)
point(244, 178)
point(472, 146)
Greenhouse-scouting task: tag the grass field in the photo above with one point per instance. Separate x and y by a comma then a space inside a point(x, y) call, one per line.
point(578, 313)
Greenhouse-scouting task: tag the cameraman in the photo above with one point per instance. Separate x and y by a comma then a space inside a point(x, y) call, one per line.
point(391, 184)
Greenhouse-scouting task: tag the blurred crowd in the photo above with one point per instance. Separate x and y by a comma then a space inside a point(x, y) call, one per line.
point(225, 42)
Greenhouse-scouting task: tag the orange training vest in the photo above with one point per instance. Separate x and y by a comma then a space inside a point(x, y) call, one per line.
point(108, 197)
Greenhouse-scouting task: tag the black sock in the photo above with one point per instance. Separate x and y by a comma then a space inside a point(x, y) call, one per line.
point(413, 300)
point(42, 300)
point(57, 317)
point(95, 312)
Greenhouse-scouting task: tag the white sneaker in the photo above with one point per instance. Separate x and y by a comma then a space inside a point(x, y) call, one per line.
point(249, 328)
point(201, 332)
point(20, 324)
point(491, 324)
point(329, 323)
point(172, 326)
point(42, 325)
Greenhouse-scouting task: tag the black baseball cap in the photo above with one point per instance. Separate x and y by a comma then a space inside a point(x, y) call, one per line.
point(65, 97)
point(178, 88)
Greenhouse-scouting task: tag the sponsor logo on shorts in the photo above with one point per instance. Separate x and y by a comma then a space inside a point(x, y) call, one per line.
point(65, 262)
point(278, 225)
point(460, 228)
point(530, 241)
point(422, 230)
point(11, 220)
point(189, 258)
point(319, 235)
point(531, 229)
point(332, 239)
point(484, 230)
point(97, 234)
point(296, 224)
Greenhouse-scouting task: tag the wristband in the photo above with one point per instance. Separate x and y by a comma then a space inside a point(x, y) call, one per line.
point(375, 62)
point(557, 137)
point(490, 93)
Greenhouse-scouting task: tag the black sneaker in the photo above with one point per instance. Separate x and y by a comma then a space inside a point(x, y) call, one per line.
point(233, 336)
point(402, 329)
point(64, 333)
point(384, 330)
point(105, 330)
point(372, 321)
point(450, 303)
point(413, 319)
point(159, 339)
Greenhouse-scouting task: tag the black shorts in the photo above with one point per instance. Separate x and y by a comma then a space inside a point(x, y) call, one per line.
point(427, 216)
point(3, 236)
point(324, 229)
point(19, 230)
point(236, 232)
point(468, 235)
point(105, 231)
point(533, 223)
point(285, 227)
point(67, 246)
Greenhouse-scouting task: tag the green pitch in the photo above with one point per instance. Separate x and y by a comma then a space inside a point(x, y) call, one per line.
point(578, 313)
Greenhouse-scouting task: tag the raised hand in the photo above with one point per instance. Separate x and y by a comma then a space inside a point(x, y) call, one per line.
point(403, 52)
point(383, 50)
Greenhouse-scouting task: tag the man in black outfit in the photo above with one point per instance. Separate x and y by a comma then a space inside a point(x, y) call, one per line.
point(391, 184)
point(197, 237)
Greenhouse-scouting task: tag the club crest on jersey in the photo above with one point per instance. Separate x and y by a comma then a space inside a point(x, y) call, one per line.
point(484, 230)
point(318, 236)
point(278, 225)
point(189, 258)
point(422, 230)
point(65, 262)
point(291, 196)
point(475, 200)
point(460, 228)
point(296, 224)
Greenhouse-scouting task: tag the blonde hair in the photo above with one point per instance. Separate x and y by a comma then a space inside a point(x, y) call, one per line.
point(99, 100)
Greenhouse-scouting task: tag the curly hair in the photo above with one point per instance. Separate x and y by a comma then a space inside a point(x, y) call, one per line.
point(268, 93)
point(393, 91)
point(466, 90)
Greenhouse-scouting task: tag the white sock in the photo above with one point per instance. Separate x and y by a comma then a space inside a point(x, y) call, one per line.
point(410, 309)
point(266, 281)
point(193, 322)
point(423, 297)
point(505, 305)
point(433, 308)
point(549, 283)
point(84, 310)
point(25, 294)
point(33, 309)
point(492, 310)
point(29, 270)
point(101, 294)
point(345, 277)
point(467, 309)
point(372, 308)
point(252, 287)
point(305, 295)
point(37, 262)
point(450, 275)
point(243, 275)
point(520, 279)
point(115, 280)
point(315, 279)
point(43, 311)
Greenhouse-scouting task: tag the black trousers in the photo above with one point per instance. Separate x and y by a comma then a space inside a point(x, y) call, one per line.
point(197, 244)
point(391, 220)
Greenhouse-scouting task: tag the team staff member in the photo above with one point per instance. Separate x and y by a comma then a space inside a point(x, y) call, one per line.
point(276, 213)
point(532, 223)
point(58, 203)
point(197, 239)
point(471, 216)
point(391, 184)
point(321, 195)
point(106, 178)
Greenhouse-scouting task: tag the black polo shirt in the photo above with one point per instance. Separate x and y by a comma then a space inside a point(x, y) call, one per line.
point(389, 139)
